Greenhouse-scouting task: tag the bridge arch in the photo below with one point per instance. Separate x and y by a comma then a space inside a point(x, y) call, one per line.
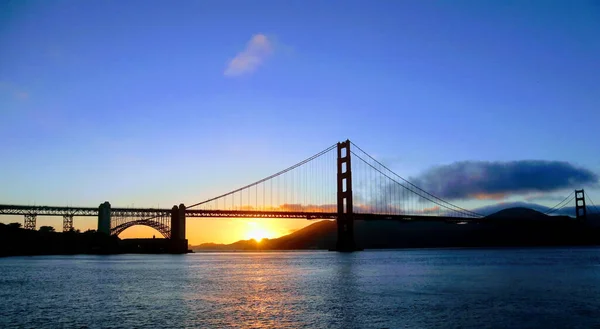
point(164, 229)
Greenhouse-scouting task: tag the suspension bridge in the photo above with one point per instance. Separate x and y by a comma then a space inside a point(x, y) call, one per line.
point(342, 183)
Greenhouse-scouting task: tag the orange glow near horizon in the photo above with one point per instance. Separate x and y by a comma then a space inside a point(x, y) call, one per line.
point(198, 230)
point(490, 196)
point(226, 230)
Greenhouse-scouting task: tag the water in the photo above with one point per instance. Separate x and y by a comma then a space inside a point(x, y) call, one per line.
point(482, 288)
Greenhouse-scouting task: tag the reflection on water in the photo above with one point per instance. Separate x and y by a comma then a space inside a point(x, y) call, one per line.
point(408, 289)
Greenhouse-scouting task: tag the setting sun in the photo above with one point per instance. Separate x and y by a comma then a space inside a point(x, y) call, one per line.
point(257, 232)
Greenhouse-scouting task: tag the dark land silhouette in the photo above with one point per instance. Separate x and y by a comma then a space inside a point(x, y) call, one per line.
point(506, 228)
point(16, 241)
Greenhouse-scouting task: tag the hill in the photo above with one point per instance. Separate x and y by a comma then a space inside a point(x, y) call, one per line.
point(520, 213)
point(490, 209)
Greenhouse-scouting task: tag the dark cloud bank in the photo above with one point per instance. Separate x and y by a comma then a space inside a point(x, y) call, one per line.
point(495, 180)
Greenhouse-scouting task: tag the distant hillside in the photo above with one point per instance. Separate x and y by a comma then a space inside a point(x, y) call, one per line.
point(320, 235)
point(518, 213)
point(494, 208)
point(522, 214)
point(593, 219)
point(491, 209)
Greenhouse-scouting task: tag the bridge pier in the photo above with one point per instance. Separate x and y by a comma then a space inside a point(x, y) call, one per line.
point(179, 243)
point(30, 222)
point(104, 218)
point(345, 215)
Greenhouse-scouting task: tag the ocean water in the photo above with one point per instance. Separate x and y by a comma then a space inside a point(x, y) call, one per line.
point(442, 288)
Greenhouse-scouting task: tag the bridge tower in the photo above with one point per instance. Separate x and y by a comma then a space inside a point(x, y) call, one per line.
point(174, 222)
point(580, 209)
point(104, 218)
point(67, 223)
point(345, 217)
point(30, 221)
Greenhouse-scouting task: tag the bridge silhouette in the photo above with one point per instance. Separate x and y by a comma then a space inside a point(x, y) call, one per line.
point(342, 183)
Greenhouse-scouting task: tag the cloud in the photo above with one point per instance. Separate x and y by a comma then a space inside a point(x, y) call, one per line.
point(15, 92)
point(291, 207)
point(22, 95)
point(490, 196)
point(544, 197)
point(258, 49)
point(431, 210)
point(497, 180)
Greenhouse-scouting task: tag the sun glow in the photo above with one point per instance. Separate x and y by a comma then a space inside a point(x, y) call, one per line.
point(257, 232)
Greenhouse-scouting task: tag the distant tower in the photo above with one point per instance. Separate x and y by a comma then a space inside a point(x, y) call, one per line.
point(580, 209)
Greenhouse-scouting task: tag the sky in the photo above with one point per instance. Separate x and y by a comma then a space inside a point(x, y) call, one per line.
point(156, 103)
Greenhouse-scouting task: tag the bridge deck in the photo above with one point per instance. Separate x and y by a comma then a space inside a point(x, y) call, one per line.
point(199, 213)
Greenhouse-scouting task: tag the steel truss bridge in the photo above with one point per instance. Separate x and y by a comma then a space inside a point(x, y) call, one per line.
point(338, 183)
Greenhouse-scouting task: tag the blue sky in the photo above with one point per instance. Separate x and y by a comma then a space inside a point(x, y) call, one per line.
point(151, 103)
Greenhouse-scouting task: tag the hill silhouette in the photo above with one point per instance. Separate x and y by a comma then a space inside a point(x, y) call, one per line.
point(509, 227)
point(518, 213)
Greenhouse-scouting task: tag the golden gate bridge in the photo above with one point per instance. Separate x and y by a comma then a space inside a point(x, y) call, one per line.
point(342, 183)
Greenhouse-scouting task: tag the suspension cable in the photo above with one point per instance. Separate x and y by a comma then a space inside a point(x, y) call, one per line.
point(415, 186)
point(464, 211)
point(558, 205)
point(559, 209)
point(267, 178)
point(592, 202)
